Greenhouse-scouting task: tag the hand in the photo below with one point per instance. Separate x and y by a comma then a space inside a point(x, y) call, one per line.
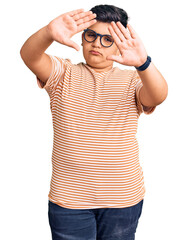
point(129, 44)
point(62, 28)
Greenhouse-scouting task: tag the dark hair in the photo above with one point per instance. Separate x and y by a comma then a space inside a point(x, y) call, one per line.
point(109, 13)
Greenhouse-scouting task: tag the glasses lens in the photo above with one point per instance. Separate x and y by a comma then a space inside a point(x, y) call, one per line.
point(107, 40)
point(90, 36)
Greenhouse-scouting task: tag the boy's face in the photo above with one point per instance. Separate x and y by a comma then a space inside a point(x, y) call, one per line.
point(98, 61)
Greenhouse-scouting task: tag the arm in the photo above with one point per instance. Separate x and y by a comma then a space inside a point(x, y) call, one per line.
point(133, 53)
point(155, 88)
point(32, 53)
point(61, 29)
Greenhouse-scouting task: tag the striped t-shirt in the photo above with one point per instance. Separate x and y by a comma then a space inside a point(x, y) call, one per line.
point(95, 157)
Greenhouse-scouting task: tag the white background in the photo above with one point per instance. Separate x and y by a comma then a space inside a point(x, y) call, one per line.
point(26, 125)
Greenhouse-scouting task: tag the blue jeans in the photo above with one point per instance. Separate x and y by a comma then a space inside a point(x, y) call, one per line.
point(94, 224)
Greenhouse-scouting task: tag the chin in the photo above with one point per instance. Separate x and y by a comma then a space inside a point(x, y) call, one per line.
point(95, 62)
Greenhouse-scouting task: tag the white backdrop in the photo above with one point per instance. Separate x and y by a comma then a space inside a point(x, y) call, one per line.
point(26, 125)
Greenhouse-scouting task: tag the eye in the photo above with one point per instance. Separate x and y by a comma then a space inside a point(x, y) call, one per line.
point(108, 39)
point(90, 34)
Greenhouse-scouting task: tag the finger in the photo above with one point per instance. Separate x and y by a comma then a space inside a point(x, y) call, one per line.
point(86, 25)
point(117, 31)
point(72, 13)
point(132, 31)
point(114, 35)
point(124, 31)
point(86, 19)
point(81, 15)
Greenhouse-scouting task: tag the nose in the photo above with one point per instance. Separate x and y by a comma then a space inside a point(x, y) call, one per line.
point(97, 42)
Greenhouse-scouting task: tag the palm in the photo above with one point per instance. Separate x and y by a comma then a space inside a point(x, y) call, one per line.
point(131, 52)
point(64, 28)
point(130, 46)
point(66, 25)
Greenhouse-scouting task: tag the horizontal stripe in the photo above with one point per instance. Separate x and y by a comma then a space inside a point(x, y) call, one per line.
point(95, 157)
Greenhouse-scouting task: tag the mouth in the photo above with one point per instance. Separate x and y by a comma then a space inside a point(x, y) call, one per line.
point(95, 52)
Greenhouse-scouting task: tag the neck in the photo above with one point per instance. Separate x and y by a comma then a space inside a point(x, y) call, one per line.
point(102, 69)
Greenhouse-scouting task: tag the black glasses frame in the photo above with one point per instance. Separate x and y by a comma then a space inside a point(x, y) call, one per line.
point(97, 34)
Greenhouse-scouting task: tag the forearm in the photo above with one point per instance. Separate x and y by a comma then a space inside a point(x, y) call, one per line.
point(155, 88)
point(35, 46)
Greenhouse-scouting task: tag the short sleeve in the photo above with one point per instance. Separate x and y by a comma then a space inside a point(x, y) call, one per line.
point(57, 75)
point(138, 85)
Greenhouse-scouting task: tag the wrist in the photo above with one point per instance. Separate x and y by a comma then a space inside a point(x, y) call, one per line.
point(47, 34)
point(141, 62)
point(145, 65)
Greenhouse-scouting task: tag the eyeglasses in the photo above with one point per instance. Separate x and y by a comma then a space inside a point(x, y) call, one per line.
point(105, 40)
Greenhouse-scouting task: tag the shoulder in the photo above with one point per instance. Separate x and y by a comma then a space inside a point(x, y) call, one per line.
point(125, 73)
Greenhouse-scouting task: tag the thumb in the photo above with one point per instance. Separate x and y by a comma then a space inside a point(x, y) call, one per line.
point(114, 58)
point(110, 57)
point(72, 44)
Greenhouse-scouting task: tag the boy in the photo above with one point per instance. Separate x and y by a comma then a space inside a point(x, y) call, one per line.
point(97, 187)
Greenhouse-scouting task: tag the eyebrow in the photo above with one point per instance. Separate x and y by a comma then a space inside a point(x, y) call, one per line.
point(99, 33)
